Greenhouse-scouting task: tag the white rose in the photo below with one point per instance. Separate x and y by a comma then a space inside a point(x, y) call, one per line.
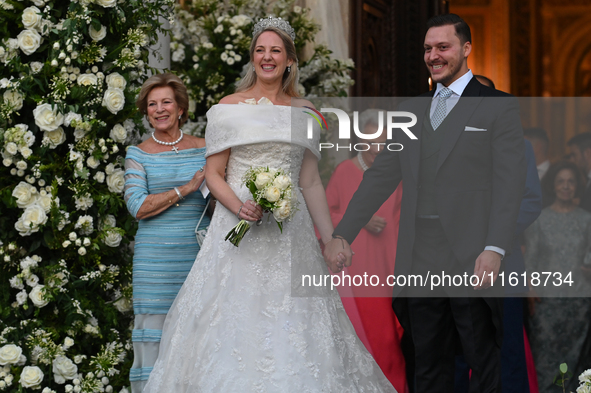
point(262, 180)
point(114, 100)
point(118, 133)
point(14, 98)
point(282, 211)
point(87, 79)
point(46, 118)
point(16, 282)
point(29, 41)
point(37, 296)
point(29, 138)
point(92, 162)
point(71, 117)
point(116, 81)
point(123, 305)
point(7, 162)
point(99, 176)
point(36, 67)
point(26, 152)
point(109, 169)
point(11, 148)
point(32, 280)
point(55, 137)
point(107, 3)
point(21, 165)
point(68, 343)
point(21, 297)
point(45, 202)
point(108, 221)
point(63, 369)
point(272, 194)
point(9, 354)
point(112, 239)
point(97, 35)
point(282, 182)
point(31, 17)
point(31, 377)
point(116, 181)
point(31, 219)
point(84, 225)
point(82, 251)
point(25, 194)
point(79, 133)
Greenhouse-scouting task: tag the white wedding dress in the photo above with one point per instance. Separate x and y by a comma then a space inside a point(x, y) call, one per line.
point(241, 322)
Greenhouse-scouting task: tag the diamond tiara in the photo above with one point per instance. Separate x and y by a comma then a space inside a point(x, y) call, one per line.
point(274, 22)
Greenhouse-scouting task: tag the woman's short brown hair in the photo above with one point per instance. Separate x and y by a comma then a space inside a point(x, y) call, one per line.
point(162, 80)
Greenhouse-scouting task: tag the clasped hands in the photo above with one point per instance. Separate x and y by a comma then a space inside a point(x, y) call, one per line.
point(337, 254)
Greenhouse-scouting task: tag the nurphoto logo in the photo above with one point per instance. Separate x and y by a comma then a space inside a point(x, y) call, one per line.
point(387, 117)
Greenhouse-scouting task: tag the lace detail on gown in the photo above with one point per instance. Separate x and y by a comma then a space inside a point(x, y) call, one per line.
point(235, 326)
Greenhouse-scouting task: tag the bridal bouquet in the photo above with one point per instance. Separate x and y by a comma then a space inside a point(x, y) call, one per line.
point(272, 189)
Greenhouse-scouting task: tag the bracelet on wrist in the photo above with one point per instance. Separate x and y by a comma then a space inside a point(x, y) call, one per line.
point(339, 237)
point(178, 192)
point(239, 210)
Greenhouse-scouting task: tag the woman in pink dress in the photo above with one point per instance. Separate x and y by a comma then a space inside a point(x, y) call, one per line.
point(370, 307)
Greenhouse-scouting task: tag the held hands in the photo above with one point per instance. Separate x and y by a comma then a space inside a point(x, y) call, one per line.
point(250, 211)
point(487, 262)
point(337, 254)
point(376, 224)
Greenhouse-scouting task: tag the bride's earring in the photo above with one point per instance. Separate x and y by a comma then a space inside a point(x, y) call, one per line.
point(288, 69)
point(179, 117)
point(252, 68)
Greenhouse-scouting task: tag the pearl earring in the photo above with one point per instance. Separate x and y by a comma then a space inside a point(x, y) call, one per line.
point(180, 117)
point(252, 68)
point(289, 69)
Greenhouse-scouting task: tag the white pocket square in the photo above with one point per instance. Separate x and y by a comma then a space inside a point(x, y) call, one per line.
point(468, 128)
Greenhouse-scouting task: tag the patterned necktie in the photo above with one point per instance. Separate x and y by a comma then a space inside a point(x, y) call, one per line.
point(441, 109)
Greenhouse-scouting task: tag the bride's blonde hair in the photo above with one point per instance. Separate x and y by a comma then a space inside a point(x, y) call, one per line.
point(290, 79)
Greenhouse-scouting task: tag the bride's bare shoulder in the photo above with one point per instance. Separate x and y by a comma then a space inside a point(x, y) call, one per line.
point(300, 103)
point(233, 99)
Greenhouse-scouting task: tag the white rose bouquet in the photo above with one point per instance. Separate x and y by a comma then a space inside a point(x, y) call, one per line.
point(272, 190)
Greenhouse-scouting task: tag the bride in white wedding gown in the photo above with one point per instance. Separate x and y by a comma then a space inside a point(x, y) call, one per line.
point(239, 323)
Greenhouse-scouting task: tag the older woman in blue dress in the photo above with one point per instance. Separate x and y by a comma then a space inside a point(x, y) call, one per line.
point(162, 179)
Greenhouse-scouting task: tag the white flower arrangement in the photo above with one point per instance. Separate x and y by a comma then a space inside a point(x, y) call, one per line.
point(272, 190)
point(69, 75)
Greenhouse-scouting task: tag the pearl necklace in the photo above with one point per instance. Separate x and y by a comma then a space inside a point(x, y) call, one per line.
point(169, 143)
point(361, 162)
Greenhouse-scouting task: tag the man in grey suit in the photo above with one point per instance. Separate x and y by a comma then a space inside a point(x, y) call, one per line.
point(463, 182)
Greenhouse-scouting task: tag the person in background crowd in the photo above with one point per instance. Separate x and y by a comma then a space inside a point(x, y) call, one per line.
point(580, 147)
point(371, 311)
point(559, 242)
point(539, 140)
point(162, 179)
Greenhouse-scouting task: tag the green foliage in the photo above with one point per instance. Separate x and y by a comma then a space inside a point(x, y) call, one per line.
point(68, 81)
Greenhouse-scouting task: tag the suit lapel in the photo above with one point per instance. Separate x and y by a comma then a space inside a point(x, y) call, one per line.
point(456, 120)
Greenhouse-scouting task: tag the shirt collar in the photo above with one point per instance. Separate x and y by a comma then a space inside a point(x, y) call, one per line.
point(544, 165)
point(458, 86)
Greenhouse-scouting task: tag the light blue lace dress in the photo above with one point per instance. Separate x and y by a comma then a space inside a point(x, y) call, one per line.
point(165, 245)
